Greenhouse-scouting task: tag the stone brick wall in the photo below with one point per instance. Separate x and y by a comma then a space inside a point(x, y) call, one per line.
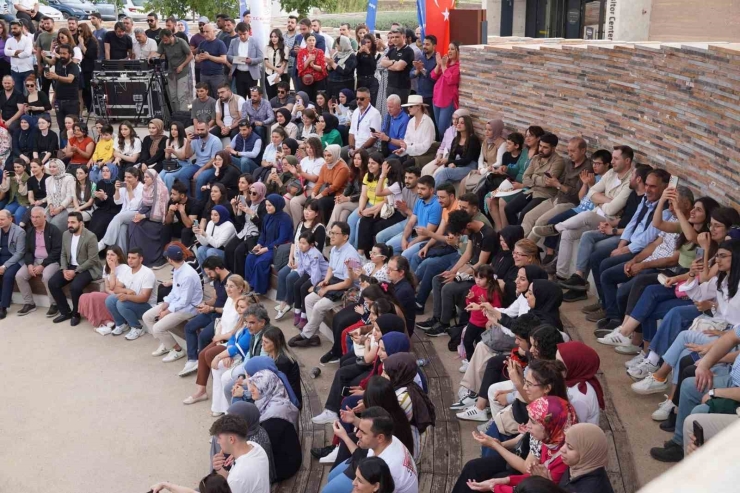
point(677, 105)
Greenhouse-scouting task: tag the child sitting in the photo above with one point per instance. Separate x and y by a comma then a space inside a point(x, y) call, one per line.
point(485, 290)
point(103, 153)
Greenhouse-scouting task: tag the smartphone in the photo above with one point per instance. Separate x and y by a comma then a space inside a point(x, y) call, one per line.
point(11, 174)
point(662, 279)
point(673, 182)
point(698, 434)
point(372, 130)
point(346, 392)
point(699, 253)
point(377, 35)
point(547, 174)
point(695, 356)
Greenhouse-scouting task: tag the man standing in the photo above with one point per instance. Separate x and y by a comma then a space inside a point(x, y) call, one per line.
point(154, 30)
point(11, 105)
point(229, 109)
point(204, 148)
point(199, 330)
point(12, 250)
point(43, 48)
point(365, 118)
point(289, 37)
point(178, 306)
point(178, 55)
point(66, 75)
point(128, 27)
point(80, 265)
point(29, 10)
point(399, 62)
point(144, 46)
point(42, 256)
point(212, 57)
point(246, 74)
point(73, 27)
point(196, 40)
point(128, 304)
point(258, 112)
point(328, 40)
point(171, 25)
point(250, 472)
point(118, 46)
point(227, 34)
point(423, 69)
point(20, 50)
point(328, 293)
point(99, 32)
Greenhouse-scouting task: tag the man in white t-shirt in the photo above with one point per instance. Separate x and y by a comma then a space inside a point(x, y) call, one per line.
point(132, 297)
point(250, 467)
point(364, 122)
point(375, 434)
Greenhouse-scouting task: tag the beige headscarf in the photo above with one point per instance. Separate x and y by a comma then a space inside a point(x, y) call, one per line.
point(159, 124)
point(344, 50)
point(590, 442)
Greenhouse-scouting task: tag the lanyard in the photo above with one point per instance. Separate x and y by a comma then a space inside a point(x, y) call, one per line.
point(362, 115)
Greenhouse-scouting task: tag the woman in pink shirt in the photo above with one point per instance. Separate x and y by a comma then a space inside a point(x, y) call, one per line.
point(446, 98)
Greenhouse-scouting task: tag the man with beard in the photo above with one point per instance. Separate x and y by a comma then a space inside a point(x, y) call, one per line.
point(19, 49)
point(12, 249)
point(43, 44)
point(195, 40)
point(67, 75)
point(80, 265)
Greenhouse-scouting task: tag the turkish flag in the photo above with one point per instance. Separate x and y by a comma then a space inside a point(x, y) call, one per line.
point(438, 22)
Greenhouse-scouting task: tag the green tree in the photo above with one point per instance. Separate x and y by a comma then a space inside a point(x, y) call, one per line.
point(180, 8)
point(303, 6)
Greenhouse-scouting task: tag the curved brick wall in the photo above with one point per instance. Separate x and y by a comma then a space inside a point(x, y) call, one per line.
point(677, 105)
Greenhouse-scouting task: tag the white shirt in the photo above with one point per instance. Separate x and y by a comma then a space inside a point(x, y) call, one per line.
point(143, 51)
point(128, 149)
point(143, 279)
point(312, 167)
point(229, 317)
point(217, 236)
point(226, 118)
point(586, 405)
point(73, 250)
point(251, 472)
point(127, 203)
point(24, 61)
point(26, 4)
point(419, 140)
point(402, 466)
point(362, 123)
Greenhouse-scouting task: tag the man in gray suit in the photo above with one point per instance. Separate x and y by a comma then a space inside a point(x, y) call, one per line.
point(80, 266)
point(246, 75)
point(12, 248)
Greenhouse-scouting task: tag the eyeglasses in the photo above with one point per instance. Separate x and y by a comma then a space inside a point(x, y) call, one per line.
point(527, 383)
point(334, 233)
point(30, 85)
point(723, 256)
point(281, 92)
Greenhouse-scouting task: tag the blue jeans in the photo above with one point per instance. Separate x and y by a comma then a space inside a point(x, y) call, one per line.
point(690, 402)
point(199, 332)
point(601, 262)
point(413, 250)
point(678, 350)
point(675, 322)
point(20, 80)
point(246, 164)
point(452, 175)
point(391, 231)
point(203, 178)
point(286, 278)
point(552, 241)
point(353, 220)
point(592, 242)
point(126, 312)
point(616, 285)
point(338, 481)
point(202, 253)
point(429, 268)
point(184, 174)
point(17, 210)
point(656, 301)
point(493, 432)
point(443, 117)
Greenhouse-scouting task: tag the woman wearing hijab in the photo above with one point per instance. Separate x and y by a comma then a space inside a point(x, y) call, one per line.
point(290, 147)
point(276, 229)
point(343, 106)
point(544, 299)
point(60, 189)
point(341, 67)
point(283, 119)
point(503, 260)
point(279, 418)
point(302, 102)
point(490, 162)
point(584, 389)
point(24, 140)
point(152, 147)
point(256, 433)
point(326, 128)
point(145, 231)
point(216, 235)
point(182, 28)
point(586, 454)
point(251, 210)
point(333, 177)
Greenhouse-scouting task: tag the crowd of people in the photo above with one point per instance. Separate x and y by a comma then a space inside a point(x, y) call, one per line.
point(364, 190)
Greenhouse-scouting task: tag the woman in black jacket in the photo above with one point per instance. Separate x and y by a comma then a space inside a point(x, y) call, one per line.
point(586, 454)
point(47, 141)
point(105, 208)
point(464, 153)
point(226, 174)
point(153, 145)
point(367, 62)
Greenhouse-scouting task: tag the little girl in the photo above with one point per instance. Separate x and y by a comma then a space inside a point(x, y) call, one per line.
point(311, 267)
point(485, 290)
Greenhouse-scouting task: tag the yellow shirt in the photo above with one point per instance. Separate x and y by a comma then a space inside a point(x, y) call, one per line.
point(371, 186)
point(103, 151)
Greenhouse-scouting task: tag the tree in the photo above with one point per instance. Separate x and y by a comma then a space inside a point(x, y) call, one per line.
point(303, 6)
point(209, 8)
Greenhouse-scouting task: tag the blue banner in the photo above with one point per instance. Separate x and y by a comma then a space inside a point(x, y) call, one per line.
point(421, 16)
point(372, 9)
point(243, 5)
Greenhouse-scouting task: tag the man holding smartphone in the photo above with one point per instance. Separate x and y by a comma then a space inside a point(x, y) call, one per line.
point(66, 75)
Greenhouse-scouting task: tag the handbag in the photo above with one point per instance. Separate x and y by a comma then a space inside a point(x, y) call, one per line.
point(170, 165)
point(307, 79)
point(387, 210)
point(497, 341)
point(705, 322)
point(722, 405)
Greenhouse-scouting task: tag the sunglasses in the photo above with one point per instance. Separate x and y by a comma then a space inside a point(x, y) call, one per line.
point(281, 92)
point(30, 85)
point(361, 98)
point(253, 193)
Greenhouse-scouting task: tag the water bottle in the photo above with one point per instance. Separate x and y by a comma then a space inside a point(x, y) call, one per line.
point(315, 372)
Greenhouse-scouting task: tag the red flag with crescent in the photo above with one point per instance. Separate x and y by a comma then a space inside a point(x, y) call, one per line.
point(438, 22)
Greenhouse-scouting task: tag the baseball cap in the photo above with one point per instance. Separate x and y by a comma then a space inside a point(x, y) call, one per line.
point(174, 252)
point(203, 20)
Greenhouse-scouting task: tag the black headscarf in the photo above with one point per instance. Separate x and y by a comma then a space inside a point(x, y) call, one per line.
point(389, 322)
point(503, 260)
point(286, 115)
point(331, 122)
point(548, 298)
point(535, 272)
point(292, 145)
point(402, 370)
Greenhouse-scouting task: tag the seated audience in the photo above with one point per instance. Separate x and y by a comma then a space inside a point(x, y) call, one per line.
point(331, 180)
point(283, 120)
point(250, 466)
point(258, 112)
point(393, 129)
point(306, 127)
point(103, 149)
point(361, 135)
point(25, 139)
point(204, 148)
point(229, 110)
point(128, 195)
point(302, 103)
point(203, 108)
point(145, 230)
point(308, 172)
point(14, 192)
point(373, 474)
point(584, 390)
point(427, 213)
point(326, 128)
point(271, 157)
point(217, 233)
point(283, 99)
point(152, 147)
point(11, 257)
point(79, 148)
point(417, 144)
point(213, 483)
point(225, 173)
point(369, 203)
point(82, 201)
point(92, 305)
point(60, 189)
point(276, 230)
point(249, 211)
point(36, 185)
point(175, 149)
point(105, 207)
point(586, 454)
point(348, 201)
point(463, 154)
point(127, 148)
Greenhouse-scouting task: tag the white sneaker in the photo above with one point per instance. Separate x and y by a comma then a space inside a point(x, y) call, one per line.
point(634, 361)
point(473, 414)
point(103, 330)
point(277, 307)
point(325, 418)
point(120, 329)
point(462, 392)
point(628, 349)
point(190, 367)
point(464, 403)
point(649, 385)
point(643, 370)
point(134, 334)
point(173, 355)
point(615, 338)
point(464, 366)
point(664, 410)
point(282, 313)
point(162, 349)
point(331, 458)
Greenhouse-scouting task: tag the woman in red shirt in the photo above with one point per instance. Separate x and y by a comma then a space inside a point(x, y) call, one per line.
point(79, 149)
point(311, 68)
point(446, 96)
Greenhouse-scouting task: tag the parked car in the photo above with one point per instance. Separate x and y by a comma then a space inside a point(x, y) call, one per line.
point(107, 10)
point(134, 9)
point(74, 8)
point(7, 8)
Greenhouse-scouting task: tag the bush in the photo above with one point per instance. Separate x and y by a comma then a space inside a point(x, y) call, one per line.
point(383, 20)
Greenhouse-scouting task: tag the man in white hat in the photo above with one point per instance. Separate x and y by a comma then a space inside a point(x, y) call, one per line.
point(420, 133)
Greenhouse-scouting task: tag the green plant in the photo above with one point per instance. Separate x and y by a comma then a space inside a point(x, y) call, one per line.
point(208, 8)
point(383, 20)
point(304, 6)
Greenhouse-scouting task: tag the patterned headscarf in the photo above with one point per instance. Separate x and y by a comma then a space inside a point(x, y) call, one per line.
point(556, 415)
point(274, 401)
point(155, 196)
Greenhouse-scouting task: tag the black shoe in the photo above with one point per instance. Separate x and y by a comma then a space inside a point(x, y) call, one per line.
point(75, 321)
point(670, 454)
point(26, 310)
point(575, 282)
point(608, 323)
point(3, 313)
point(62, 318)
point(548, 259)
point(572, 295)
point(427, 324)
point(329, 358)
point(320, 452)
point(669, 424)
point(438, 330)
point(419, 309)
point(300, 341)
point(53, 311)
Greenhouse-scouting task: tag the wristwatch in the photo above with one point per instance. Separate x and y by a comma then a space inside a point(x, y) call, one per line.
point(711, 393)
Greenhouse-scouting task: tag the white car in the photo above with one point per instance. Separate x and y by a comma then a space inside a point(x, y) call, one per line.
point(134, 9)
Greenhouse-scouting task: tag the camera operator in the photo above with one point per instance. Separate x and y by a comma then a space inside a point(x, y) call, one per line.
point(66, 84)
point(178, 55)
point(144, 45)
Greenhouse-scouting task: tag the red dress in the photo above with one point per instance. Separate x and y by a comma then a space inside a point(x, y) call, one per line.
point(556, 467)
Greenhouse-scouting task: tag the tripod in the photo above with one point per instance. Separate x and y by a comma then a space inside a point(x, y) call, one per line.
point(167, 106)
